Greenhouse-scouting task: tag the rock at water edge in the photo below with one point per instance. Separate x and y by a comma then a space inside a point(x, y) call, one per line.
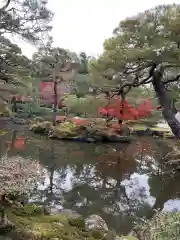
point(95, 222)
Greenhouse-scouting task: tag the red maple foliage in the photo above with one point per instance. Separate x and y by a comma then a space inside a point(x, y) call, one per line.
point(19, 143)
point(123, 110)
point(79, 121)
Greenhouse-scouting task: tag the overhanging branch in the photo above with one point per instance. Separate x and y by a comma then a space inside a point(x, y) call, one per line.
point(177, 78)
point(137, 82)
point(126, 87)
point(5, 6)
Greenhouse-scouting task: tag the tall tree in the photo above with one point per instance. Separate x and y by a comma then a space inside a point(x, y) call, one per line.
point(28, 19)
point(83, 63)
point(14, 65)
point(15, 69)
point(145, 49)
point(57, 65)
point(48, 58)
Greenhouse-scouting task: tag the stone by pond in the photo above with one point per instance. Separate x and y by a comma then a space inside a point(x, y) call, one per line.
point(119, 183)
point(95, 222)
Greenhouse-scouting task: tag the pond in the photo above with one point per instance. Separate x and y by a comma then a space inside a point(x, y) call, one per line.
point(121, 183)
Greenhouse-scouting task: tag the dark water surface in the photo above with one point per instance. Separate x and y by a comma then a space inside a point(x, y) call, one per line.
point(121, 183)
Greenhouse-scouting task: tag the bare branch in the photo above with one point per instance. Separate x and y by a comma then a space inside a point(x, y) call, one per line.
point(177, 78)
point(136, 83)
point(161, 69)
point(138, 80)
point(171, 65)
point(139, 68)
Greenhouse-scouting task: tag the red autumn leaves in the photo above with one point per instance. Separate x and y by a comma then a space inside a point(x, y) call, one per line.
point(124, 111)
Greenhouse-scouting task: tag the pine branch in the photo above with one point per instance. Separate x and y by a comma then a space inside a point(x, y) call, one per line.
point(5, 6)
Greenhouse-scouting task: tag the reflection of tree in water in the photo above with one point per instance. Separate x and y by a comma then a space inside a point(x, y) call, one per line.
point(165, 183)
point(103, 190)
point(99, 177)
point(164, 187)
point(2, 149)
point(59, 158)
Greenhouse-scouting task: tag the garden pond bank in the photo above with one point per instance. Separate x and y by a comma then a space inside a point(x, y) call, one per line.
point(120, 183)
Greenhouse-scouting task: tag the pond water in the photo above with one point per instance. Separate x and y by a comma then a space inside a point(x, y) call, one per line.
point(121, 183)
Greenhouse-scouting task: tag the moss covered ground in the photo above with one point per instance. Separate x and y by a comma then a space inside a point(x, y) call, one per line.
point(31, 223)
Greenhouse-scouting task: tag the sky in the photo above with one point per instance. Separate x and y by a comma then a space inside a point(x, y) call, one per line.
point(83, 25)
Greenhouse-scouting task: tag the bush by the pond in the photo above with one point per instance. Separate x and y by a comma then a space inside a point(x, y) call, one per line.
point(41, 127)
point(35, 109)
point(4, 110)
point(18, 174)
point(163, 226)
point(66, 129)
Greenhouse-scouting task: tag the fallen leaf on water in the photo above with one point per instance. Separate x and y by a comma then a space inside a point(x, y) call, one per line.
point(3, 132)
point(129, 238)
point(173, 161)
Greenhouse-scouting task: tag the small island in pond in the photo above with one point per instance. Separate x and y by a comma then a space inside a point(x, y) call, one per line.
point(95, 130)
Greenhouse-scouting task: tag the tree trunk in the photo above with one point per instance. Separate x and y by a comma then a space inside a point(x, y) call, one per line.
point(14, 135)
point(168, 112)
point(55, 103)
point(120, 121)
point(14, 105)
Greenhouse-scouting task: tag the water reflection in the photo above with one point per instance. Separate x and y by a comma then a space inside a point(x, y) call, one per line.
point(121, 183)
